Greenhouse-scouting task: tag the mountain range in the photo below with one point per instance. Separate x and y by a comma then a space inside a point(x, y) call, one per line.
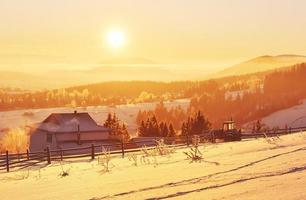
point(141, 69)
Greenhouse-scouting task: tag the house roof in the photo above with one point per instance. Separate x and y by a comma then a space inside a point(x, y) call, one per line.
point(69, 123)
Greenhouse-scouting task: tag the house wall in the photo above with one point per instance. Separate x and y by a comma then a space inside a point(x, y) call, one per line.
point(38, 140)
point(85, 136)
point(62, 137)
point(94, 136)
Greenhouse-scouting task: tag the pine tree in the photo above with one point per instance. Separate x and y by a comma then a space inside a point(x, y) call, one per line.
point(124, 132)
point(161, 128)
point(165, 130)
point(172, 132)
point(108, 121)
point(184, 129)
point(154, 129)
point(195, 125)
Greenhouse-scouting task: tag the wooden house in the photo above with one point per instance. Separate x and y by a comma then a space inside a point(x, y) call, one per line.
point(68, 130)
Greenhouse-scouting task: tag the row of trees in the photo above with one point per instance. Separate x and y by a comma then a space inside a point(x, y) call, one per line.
point(195, 125)
point(173, 115)
point(153, 128)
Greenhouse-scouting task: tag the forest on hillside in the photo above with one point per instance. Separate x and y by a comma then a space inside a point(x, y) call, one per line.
point(279, 90)
point(243, 98)
point(112, 93)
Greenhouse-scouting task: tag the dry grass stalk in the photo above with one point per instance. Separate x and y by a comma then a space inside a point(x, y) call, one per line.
point(148, 156)
point(104, 160)
point(22, 175)
point(134, 159)
point(272, 140)
point(63, 172)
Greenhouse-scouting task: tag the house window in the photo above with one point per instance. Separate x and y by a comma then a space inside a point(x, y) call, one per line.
point(49, 137)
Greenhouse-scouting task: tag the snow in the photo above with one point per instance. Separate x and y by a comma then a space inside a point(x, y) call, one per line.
point(292, 117)
point(250, 169)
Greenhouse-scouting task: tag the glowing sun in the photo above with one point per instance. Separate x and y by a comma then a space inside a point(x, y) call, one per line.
point(116, 39)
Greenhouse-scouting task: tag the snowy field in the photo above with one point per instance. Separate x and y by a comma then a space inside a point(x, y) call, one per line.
point(127, 113)
point(293, 117)
point(253, 169)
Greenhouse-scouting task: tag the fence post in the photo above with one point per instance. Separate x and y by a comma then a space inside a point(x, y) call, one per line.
point(48, 156)
point(7, 162)
point(213, 137)
point(61, 154)
point(187, 136)
point(18, 156)
point(122, 148)
point(92, 151)
point(28, 155)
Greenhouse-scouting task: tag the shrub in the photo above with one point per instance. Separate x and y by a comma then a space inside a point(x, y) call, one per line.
point(194, 154)
point(104, 160)
point(272, 140)
point(162, 148)
point(148, 156)
point(15, 141)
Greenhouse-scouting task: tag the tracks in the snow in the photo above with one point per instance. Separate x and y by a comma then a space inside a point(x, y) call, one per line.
point(198, 179)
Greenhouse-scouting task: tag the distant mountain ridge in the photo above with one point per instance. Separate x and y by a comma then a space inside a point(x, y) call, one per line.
point(261, 64)
point(152, 72)
point(126, 61)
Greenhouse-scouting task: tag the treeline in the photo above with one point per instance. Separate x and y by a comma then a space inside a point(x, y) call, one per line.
point(194, 125)
point(112, 93)
point(174, 115)
point(108, 93)
point(153, 128)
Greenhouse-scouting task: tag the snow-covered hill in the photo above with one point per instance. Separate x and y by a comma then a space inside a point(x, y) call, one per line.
point(292, 117)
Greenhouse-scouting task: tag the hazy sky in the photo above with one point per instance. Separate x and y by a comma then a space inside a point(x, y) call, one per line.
point(53, 34)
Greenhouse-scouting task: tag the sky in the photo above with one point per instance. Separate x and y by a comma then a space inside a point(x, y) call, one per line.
point(38, 35)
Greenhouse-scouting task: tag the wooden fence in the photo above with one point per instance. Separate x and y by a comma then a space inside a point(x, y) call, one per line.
point(23, 160)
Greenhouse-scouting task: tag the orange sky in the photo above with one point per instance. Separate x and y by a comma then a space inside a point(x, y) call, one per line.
point(40, 35)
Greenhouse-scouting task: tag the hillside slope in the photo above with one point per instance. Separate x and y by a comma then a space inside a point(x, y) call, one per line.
point(292, 117)
point(260, 64)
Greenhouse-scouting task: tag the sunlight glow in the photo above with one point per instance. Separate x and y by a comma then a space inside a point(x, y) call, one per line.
point(116, 39)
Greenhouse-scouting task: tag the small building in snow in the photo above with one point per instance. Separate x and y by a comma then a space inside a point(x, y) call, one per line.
point(68, 130)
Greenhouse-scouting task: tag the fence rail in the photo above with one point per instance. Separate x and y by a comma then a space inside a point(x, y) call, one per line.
point(27, 159)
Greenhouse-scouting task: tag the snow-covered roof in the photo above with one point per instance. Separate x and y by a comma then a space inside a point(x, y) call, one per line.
point(70, 122)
